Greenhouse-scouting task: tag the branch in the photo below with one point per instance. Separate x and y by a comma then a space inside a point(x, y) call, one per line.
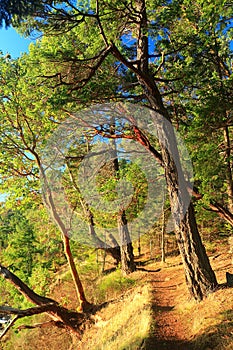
point(24, 289)
point(7, 310)
point(70, 320)
point(161, 64)
point(41, 325)
point(84, 81)
point(223, 212)
point(102, 33)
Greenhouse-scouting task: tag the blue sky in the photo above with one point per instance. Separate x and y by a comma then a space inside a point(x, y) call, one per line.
point(11, 42)
point(14, 44)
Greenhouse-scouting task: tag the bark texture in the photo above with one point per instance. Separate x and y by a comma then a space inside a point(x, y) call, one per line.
point(199, 274)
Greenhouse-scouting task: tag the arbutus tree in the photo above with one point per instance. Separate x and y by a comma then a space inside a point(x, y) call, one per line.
point(20, 150)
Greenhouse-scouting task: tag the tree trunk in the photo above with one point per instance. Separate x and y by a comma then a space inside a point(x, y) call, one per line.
point(126, 247)
point(83, 303)
point(48, 199)
point(113, 250)
point(199, 274)
point(163, 230)
point(200, 277)
point(127, 256)
point(229, 180)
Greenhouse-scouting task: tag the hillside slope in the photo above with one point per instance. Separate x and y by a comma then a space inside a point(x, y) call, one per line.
point(151, 309)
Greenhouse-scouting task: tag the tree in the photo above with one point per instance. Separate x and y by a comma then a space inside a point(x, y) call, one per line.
point(19, 234)
point(212, 109)
point(148, 75)
point(22, 122)
point(126, 247)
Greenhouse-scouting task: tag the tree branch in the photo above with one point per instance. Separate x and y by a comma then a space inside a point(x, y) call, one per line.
point(24, 289)
point(70, 320)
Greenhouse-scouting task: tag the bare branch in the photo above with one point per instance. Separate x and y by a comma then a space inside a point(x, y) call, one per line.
point(161, 64)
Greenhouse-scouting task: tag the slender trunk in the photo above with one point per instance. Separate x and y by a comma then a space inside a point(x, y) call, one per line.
point(229, 170)
point(163, 237)
point(48, 198)
point(83, 303)
point(126, 247)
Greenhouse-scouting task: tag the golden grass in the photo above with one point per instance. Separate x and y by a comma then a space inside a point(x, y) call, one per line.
point(126, 322)
point(123, 324)
point(210, 321)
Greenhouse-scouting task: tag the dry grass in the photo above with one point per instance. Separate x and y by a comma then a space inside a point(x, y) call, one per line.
point(123, 324)
point(210, 322)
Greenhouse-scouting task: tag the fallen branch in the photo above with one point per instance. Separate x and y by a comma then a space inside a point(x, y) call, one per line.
point(60, 315)
point(27, 312)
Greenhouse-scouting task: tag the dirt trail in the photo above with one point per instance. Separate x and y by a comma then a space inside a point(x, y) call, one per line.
point(169, 332)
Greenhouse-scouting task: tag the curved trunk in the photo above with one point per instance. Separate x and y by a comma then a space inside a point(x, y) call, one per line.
point(61, 316)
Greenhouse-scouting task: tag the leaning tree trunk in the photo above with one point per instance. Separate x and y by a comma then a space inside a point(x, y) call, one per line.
point(199, 275)
point(61, 316)
point(198, 272)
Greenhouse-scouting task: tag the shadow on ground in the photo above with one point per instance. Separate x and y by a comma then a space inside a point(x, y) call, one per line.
point(215, 338)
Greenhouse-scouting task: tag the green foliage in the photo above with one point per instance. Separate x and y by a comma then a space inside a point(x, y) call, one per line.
point(40, 280)
point(110, 285)
point(20, 248)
